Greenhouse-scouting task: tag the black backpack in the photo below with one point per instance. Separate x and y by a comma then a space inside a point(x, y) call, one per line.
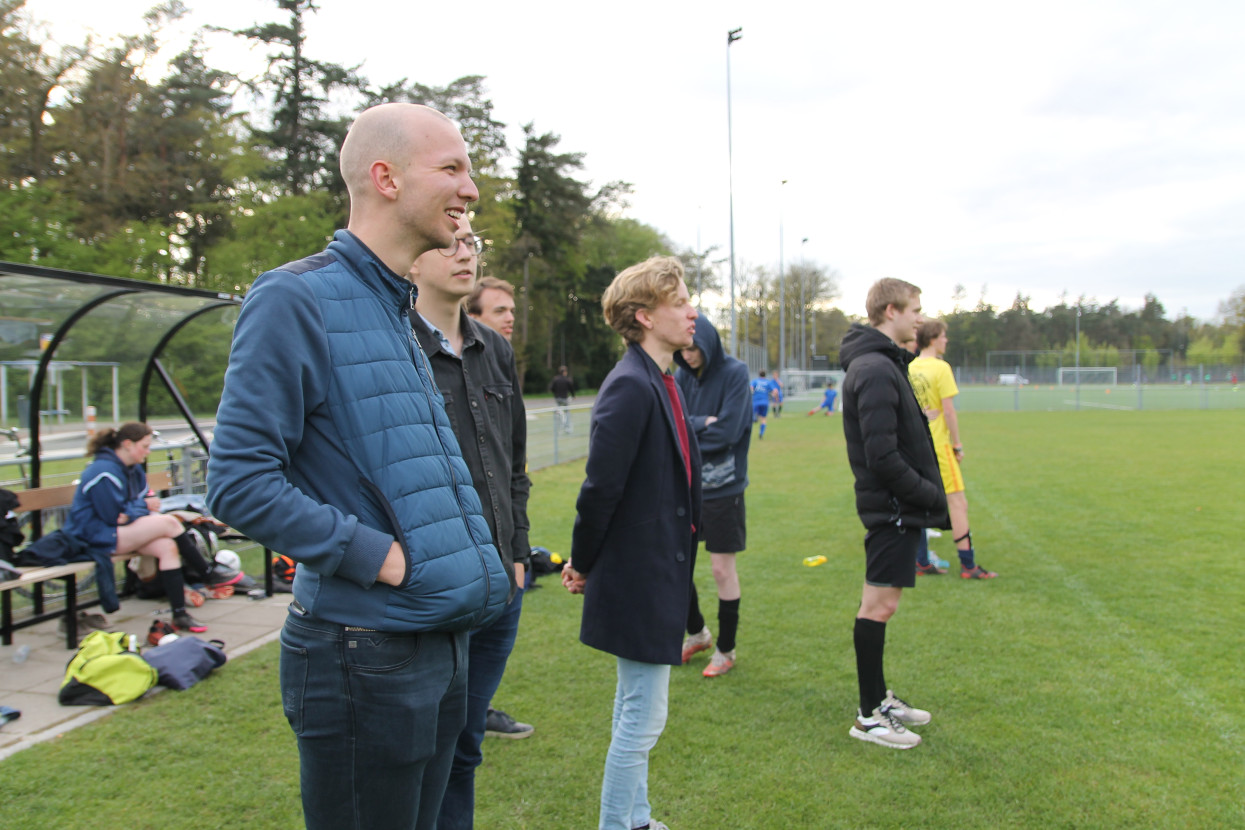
point(11, 536)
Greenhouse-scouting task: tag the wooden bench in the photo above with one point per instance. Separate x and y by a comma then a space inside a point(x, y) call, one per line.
point(47, 498)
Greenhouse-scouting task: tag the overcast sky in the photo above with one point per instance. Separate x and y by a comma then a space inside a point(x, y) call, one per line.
point(1061, 148)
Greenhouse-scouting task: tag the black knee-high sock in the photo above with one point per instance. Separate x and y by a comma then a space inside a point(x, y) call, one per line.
point(174, 589)
point(728, 623)
point(870, 639)
point(695, 619)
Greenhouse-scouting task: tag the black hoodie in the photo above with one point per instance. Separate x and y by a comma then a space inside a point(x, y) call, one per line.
point(888, 440)
point(720, 388)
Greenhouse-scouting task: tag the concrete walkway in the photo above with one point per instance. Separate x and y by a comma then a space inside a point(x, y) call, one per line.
point(32, 684)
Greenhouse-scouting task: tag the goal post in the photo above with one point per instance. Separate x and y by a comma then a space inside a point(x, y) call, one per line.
point(1096, 375)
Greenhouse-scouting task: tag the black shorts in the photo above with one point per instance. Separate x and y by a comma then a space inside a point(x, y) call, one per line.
point(890, 556)
point(722, 524)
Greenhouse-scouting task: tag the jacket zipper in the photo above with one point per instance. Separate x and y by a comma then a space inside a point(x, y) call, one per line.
point(418, 349)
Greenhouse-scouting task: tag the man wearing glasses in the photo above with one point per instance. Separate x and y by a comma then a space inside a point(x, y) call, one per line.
point(475, 370)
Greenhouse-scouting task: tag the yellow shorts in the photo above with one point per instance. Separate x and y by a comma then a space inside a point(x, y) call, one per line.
point(952, 479)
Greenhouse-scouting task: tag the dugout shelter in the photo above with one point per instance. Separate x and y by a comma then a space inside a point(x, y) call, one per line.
point(141, 348)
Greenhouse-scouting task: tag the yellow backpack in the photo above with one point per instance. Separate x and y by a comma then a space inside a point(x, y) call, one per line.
point(107, 669)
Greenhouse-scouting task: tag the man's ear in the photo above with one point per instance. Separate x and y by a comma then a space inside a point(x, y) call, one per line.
point(381, 173)
point(644, 318)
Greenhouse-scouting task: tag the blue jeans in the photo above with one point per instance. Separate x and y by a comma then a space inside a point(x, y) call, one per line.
point(489, 648)
point(639, 717)
point(376, 715)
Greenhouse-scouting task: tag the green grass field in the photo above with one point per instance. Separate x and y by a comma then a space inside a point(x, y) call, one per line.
point(1096, 683)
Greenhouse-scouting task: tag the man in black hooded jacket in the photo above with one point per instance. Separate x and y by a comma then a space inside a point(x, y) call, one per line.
point(898, 493)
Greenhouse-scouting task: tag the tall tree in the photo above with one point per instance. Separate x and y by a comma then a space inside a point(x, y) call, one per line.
point(550, 209)
point(29, 71)
point(304, 138)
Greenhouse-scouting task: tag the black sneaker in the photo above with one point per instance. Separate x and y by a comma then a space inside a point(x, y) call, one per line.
point(500, 725)
point(185, 622)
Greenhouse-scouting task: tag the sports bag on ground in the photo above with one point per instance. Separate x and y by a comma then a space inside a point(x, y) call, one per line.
point(104, 671)
point(185, 661)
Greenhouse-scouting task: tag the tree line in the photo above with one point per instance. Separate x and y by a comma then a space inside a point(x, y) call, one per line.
point(107, 169)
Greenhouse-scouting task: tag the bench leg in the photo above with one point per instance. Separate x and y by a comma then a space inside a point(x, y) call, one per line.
point(6, 617)
point(71, 611)
point(268, 587)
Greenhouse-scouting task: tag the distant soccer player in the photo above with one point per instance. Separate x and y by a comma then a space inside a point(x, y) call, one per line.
point(827, 401)
point(935, 388)
point(762, 393)
point(780, 393)
point(898, 493)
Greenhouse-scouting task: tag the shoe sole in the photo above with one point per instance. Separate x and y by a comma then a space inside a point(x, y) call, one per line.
point(710, 671)
point(514, 736)
point(689, 654)
point(865, 736)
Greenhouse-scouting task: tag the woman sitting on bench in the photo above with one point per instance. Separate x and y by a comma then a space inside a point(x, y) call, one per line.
point(114, 512)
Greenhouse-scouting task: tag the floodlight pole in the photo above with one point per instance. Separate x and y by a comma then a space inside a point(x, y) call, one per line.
point(803, 307)
point(731, 36)
point(782, 293)
point(1078, 355)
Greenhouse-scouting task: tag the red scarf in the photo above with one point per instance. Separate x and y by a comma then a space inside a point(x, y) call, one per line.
point(680, 423)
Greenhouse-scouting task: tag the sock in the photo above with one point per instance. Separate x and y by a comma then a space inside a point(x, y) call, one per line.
point(870, 639)
point(174, 589)
point(695, 619)
point(967, 560)
point(762, 431)
point(728, 624)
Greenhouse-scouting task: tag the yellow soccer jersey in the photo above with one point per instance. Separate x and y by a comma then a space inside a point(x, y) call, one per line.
point(933, 381)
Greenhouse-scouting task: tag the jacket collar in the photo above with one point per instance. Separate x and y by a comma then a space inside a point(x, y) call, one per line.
point(431, 343)
point(375, 274)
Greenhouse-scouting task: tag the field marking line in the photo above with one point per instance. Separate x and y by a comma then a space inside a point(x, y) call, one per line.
point(1114, 628)
point(1100, 405)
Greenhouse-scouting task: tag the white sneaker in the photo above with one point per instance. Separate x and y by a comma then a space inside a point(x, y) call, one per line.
point(697, 642)
point(884, 728)
point(904, 710)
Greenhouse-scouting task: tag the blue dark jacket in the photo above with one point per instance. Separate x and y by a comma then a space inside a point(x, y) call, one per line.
point(719, 388)
point(107, 488)
point(633, 536)
point(332, 441)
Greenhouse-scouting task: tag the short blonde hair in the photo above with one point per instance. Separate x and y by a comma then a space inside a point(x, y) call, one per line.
point(889, 291)
point(644, 286)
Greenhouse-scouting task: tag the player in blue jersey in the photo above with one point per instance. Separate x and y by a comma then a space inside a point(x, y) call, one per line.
point(827, 401)
point(762, 394)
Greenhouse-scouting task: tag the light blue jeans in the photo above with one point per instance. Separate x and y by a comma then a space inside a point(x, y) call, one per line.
point(639, 716)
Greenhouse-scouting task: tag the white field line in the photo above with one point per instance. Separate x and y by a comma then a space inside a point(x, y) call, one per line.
point(1111, 627)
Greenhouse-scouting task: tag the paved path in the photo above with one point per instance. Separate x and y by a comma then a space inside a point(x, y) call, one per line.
point(32, 685)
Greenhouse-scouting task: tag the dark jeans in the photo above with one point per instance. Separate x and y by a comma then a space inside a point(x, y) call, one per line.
point(489, 649)
point(376, 715)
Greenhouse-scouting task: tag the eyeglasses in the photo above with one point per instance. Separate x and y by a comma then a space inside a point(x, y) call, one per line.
point(475, 245)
